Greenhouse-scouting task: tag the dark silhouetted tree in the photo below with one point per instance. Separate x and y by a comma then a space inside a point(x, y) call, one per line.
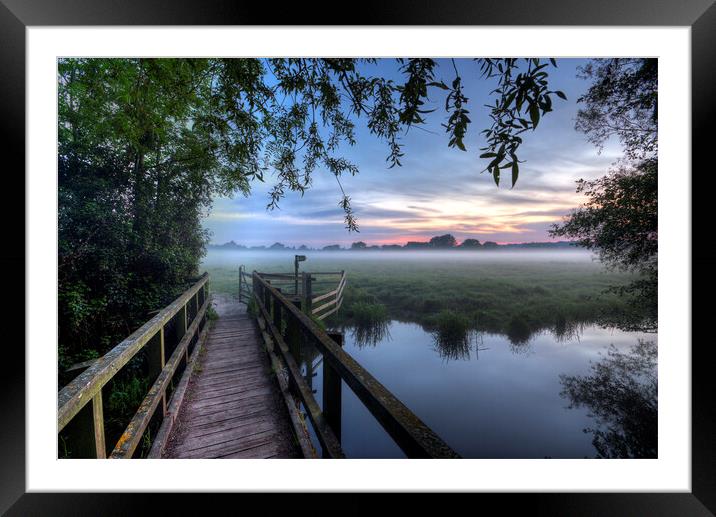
point(470, 243)
point(443, 241)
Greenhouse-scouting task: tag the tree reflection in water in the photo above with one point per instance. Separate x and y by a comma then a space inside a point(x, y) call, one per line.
point(565, 330)
point(518, 332)
point(370, 333)
point(451, 345)
point(621, 395)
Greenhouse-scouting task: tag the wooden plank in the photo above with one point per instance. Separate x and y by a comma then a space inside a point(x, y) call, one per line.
point(244, 410)
point(234, 397)
point(334, 309)
point(170, 412)
point(325, 305)
point(239, 426)
point(337, 300)
point(232, 401)
point(324, 296)
point(231, 446)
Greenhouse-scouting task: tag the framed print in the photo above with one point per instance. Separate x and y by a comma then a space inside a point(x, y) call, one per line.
point(432, 251)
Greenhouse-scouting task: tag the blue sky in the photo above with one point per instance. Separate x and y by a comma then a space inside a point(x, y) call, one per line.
point(438, 189)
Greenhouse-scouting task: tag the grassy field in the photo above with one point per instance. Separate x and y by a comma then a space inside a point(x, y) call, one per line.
point(510, 292)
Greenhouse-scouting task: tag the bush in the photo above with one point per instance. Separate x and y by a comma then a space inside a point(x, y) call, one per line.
point(451, 334)
point(364, 313)
point(452, 325)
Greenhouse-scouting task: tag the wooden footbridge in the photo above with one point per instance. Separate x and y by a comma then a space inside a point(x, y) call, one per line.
point(232, 387)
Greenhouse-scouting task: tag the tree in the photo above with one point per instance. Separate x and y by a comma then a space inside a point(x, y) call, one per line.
point(278, 246)
point(619, 218)
point(360, 245)
point(470, 243)
point(332, 247)
point(443, 241)
point(621, 102)
point(619, 222)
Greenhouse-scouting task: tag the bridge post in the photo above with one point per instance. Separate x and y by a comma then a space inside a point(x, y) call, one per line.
point(332, 400)
point(277, 312)
point(307, 292)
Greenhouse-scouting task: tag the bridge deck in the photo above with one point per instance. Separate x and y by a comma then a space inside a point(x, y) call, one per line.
point(232, 407)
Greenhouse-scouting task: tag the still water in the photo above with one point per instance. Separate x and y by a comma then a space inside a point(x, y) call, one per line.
point(490, 398)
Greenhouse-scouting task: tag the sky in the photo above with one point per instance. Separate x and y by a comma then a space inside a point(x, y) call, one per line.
point(438, 189)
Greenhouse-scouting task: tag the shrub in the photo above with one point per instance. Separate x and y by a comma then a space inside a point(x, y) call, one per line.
point(452, 325)
point(365, 313)
point(451, 334)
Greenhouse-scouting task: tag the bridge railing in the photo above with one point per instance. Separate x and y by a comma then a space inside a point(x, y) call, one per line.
point(321, 292)
point(323, 304)
point(286, 328)
point(168, 340)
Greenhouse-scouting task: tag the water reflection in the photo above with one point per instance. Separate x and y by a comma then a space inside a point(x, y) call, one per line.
point(565, 331)
point(450, 346)
point(518, 332)
point(371, 333)
point(514, 402)
point(621, 395)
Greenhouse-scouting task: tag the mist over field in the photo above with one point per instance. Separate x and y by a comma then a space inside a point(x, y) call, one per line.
point(504, 291)
point(271, 260)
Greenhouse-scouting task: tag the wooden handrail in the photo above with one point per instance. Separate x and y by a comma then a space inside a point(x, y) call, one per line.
point(410, 433)
point(88, 385)
point(128, 442)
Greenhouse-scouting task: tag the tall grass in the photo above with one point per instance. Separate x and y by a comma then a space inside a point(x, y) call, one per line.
point(495, 293)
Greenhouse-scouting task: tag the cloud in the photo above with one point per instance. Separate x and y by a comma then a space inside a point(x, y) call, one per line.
point(437, 190)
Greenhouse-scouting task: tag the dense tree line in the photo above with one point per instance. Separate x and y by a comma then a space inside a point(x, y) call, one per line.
point(440, 242)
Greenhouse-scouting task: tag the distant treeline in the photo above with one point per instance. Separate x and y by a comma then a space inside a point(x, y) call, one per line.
point(440, 242)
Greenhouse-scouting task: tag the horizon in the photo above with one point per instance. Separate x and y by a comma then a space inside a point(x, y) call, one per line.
point(369, 244)
point(438, 189)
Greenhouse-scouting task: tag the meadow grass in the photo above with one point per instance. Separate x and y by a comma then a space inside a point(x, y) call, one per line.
point(514, 293)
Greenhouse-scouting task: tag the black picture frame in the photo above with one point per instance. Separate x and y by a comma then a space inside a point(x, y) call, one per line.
point(17, 15)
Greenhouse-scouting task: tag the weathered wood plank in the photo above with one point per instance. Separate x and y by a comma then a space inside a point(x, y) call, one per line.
point(232, 407)
point(177, 398)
